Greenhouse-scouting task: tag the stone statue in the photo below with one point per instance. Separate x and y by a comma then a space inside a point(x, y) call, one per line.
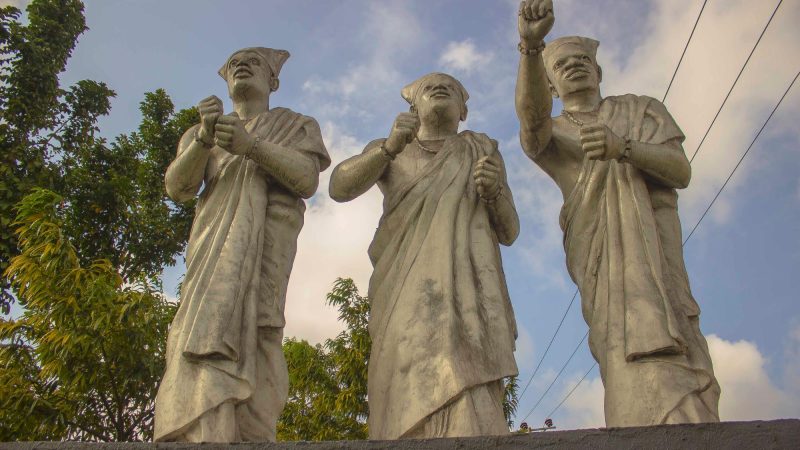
point(226, 378)
point(441, 322)
point(618, 162)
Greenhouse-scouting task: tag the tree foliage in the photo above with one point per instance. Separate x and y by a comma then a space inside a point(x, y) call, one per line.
point(328, 382)
point(85, 359)
point(115, 203)
point(33, 108)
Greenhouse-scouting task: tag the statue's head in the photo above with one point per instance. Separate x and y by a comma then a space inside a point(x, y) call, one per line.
point(253, 71)
point(571, 65)
point(437, 97)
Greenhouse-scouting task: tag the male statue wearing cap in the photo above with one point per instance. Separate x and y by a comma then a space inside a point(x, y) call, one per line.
point(618, 162)
point(441, 322)
point(226, 378)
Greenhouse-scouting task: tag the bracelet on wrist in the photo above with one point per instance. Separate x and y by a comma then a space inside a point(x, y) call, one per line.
point(386, 152)
point(202, 142)
point(253, 147)
point(530, 51)
point(496, 196)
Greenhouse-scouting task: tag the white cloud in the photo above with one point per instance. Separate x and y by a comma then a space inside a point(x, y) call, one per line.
point(747, 391)
point(21, 4)
point(584, 408)
point(724, 38)
point(371, 83)
point(333, 243)
point(464, 56)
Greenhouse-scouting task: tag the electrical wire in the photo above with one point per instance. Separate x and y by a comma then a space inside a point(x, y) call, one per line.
point(684, 50)
point(708, 130)
point(549, 344)
point(740, 160)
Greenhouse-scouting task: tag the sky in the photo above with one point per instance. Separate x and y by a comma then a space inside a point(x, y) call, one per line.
point(350, 59)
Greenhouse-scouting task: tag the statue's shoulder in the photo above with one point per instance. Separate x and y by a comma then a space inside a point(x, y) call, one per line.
point(482, 138)
point(633, 99)
point(286, 113)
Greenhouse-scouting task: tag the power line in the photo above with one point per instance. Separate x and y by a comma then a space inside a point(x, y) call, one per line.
point(557, 375)
point(741, 159)
point(735, 81)
point(549, 344)
point(684, 50)
point(572, 390)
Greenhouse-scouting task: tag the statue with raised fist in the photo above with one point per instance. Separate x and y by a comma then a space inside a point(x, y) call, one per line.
point(618, 162)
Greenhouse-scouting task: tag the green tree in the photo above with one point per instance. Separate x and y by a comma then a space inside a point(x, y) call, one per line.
point(34, 109)
point(85, 359)
point(328, 382)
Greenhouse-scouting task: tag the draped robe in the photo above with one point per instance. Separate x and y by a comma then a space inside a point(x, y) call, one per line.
point(239, 257)
point(441, 321)
point(622, 239)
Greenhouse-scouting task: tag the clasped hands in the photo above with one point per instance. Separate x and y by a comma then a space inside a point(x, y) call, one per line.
point(599, 142)
point(226, 131)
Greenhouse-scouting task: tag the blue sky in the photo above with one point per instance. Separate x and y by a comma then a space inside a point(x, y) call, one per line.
point(351, 58)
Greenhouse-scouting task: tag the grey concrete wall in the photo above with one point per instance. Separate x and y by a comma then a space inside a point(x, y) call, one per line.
point(776, 434)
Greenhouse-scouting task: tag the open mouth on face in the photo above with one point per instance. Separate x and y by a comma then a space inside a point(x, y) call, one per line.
point(440, 94)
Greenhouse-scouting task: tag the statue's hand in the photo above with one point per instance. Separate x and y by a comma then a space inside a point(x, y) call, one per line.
point(599, 142)
point(488, 173)
point(210, 109)
point(229, 133)
point(535, 21)
point(404, 130)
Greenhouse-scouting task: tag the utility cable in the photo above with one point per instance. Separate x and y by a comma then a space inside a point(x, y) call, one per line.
point(735, 81)
point(556, 378)
point(572, 390)
point(553, 338)
point(684, 50)
point(740, 160)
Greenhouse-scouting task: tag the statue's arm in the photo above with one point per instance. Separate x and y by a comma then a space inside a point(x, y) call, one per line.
point(534, 105)
point(665, 163)
point(185, 174)
point(354, 176)
point(295, 170)
point(503, 215)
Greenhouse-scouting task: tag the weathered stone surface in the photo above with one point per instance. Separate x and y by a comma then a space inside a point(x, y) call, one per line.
point(226, 378)
point(775, 434)
point(441, 322)
point(618, 161)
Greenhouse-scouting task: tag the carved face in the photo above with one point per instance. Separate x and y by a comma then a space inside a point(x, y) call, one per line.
point(439, 101)
point(249, 75)
point(572, 70)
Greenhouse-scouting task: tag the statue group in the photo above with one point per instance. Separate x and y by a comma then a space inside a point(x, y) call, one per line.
point(441, 321)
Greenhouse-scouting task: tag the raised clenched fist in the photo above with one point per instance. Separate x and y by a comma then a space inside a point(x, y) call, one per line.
point(210, 109)
point(535, 21)
point(404, 130)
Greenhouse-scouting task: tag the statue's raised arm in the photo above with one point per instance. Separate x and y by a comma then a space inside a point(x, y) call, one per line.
point(533, 100)
point(618, 161)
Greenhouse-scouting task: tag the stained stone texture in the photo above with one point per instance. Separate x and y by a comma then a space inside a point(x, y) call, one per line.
point(441, 322)
point(226, 378)
point(618, 161)
point(776, 434)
